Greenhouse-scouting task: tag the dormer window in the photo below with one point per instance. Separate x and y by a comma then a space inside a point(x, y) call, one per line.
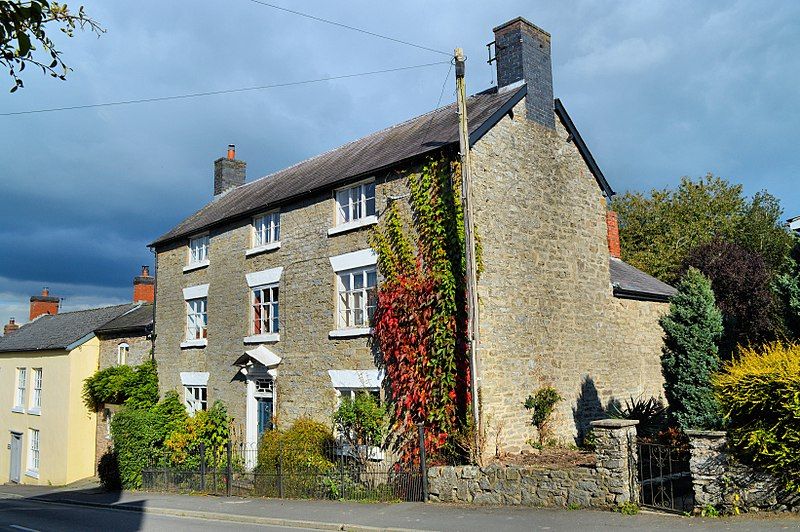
point(355, 207)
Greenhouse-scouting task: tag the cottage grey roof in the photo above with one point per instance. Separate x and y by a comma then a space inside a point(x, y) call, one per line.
point(60, 330)
point(137, 320)
point(633, 283)
point(372, 153)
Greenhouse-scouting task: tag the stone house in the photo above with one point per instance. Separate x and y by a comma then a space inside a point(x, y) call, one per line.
point(127, 339)
point(264, 296)
point(49, 434)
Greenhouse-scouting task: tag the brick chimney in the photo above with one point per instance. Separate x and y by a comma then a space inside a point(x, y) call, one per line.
point(10, 327)
point(43, 304)
point(229, 172)
point(522, 52)
point(144, 287)
point(612, 228)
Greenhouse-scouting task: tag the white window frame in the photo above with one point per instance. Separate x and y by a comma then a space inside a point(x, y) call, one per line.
point(36, 391)
point(354, 206)
point(34, 454)
point(197, 319)
point(195, 396)
point(123, 350)
point(265, 233)
point(20, 390)
point(272, 307)
point(353, 308)
point(198, 257)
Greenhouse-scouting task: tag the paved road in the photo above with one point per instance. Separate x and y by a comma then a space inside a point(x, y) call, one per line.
point(23, 515)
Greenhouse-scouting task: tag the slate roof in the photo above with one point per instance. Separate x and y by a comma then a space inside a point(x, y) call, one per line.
point(60, 330)
point(633, 283)
point(352, 161)
point(137, 320)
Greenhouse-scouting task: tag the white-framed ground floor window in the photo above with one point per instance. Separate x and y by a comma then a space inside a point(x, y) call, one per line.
point(33, 453)
point(195, 391)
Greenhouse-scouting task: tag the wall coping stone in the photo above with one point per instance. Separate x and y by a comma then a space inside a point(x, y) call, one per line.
point(712, 434)
point(614, 423)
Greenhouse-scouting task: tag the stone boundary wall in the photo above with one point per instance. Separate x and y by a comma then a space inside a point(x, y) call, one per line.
point(720, 481)
point(608, 483)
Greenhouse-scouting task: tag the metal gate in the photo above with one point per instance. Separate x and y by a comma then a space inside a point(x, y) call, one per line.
point(665, 482)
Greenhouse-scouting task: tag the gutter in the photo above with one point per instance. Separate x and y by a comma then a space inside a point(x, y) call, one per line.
point(638, 295)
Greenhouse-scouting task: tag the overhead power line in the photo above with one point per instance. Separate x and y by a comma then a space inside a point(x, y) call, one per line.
point(353, 28)
point(225, 91)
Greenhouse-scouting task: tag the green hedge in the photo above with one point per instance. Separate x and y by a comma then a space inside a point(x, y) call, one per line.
point(760, 397)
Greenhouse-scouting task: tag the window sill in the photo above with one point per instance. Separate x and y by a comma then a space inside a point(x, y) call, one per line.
point(262, 249)
point(355, 224)
point(35, 411)
point(196, 265)
point(350, 332)
point(18, 409)
point(32, 474)
point(186, 344)
point(262, 338)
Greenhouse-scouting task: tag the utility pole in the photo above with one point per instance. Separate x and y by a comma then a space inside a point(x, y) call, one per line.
point(473, 331)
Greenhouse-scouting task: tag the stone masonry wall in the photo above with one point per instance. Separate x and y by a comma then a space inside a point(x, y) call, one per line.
point(139, 352)
point(548, 314)
point(608, 483)
point(307, 302)
point(724, 483)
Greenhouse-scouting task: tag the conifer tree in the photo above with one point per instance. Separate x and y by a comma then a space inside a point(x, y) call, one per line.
point(690, 355)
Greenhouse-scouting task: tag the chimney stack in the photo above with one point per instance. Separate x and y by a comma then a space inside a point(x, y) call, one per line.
point(229, 172)
point(522, 54)
point(144, 287)
point(612, 227)
point(10, 327)
point(43, 304)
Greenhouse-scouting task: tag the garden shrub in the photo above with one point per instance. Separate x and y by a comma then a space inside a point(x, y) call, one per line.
point(108, 471)
point(307, 445)
point(211, 427)
point(139, 434)
point(135, 386)
point(541, 406)
point(361, 421)
point(690, 354)
point(650, 413)
point(760, 396)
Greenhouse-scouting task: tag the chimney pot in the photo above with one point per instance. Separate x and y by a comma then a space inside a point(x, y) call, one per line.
point(10, 327)
point(522, 54)
point(231, 152)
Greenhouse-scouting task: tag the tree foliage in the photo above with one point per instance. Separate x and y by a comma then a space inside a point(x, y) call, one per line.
point(786, 287)
point(133, 386)
point(690, 356)
point(25, 28)
point(759, 394)
point(361, 420)
point(742, 290)
point(211, 427)
point(421, 318)
point(659, 229)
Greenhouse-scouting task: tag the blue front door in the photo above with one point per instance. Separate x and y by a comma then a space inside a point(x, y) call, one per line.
point(264, 414)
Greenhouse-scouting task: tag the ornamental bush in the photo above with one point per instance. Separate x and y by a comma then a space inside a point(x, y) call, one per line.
point(361, 421)
point(690, 355)
point(210, 427)
point(760, 396)
point(307, 445)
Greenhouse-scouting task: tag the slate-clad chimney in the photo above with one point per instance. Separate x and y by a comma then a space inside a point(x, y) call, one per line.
point(144, 286)
point(229, 172)
point(10, 327)
point(522, 51)
point(43, 304)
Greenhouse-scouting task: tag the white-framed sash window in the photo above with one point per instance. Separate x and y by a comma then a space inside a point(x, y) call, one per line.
point(264, 310)
point(196, 398)
point(123, 350)
point(355, 203)
point(266, 229)
point(196, 319)
point(33, 453)
point(357, 297)
point(198, 249)
point(36, 395)
point(22, 378)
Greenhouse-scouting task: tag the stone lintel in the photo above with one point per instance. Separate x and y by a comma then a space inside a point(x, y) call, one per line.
point(613, 423)
point(708, 434)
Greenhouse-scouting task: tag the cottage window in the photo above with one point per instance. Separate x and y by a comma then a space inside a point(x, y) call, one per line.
point(122, 353)
point(196, 319)
point(357, 297)
point(196, 398)
point(349, 394)
point(265, 310)
point(355, 203)
point(36, 396)
point(266, 229)
point(33, 454)
point(22, 377)
point(198, 249)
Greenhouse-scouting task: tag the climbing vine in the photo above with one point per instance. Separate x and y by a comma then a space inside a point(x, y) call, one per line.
point(420, 322)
